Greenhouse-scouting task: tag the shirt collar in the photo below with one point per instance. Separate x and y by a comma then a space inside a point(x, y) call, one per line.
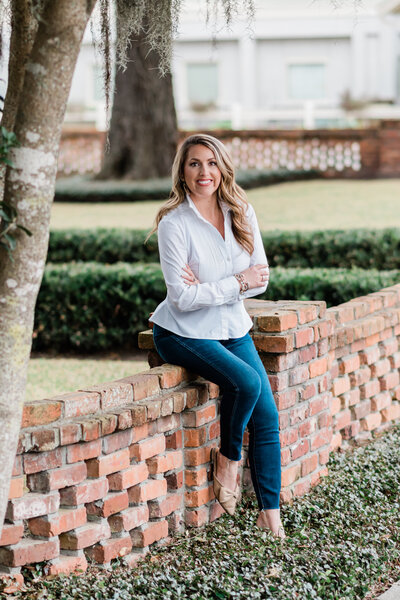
point(224, 207)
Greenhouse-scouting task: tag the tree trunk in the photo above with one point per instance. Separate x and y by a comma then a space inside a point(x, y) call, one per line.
point(143, 131)
point(29, 187)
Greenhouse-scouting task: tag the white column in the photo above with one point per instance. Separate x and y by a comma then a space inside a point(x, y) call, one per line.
point(247, 79)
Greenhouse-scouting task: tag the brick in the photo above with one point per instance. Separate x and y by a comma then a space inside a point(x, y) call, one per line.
point(323, 456)
point(109, 549)
point(147, 491)
point(351, 430)
point(87, 491)
point(197, 518)
point(302, 488)
point(336, 441)
point(163, 507)
point(308, 391)
point(299, 413)
point(394, 360)
point(65, 565)
point(128, 477)
point(199, 416)
point(16, 489)
point(11, 533)
point(380, 368)
point(85, 536)
point(278, 381)
point(389, 346)
point(174, 440)
point(213, 390)
point(380, 401)
point(56, 479)
point(170, 375)
point(64, 520)
point(85, 451)
point(335, 405)
point(370, 389)
point(390, 380)
point(304, 337)
point(360, 376)
point(139, 433)
point(77, 404)
point(309, 464)
point(167, 406)
point(97, 467)
point(40, 412)
point(319, 403)
point(274, 343)
point(307, 427)
point(147, 448)
point(341, 385)
point(113, 393)
point(298, 375)
point(90, 430)
point(308, 313)
point(288, 436)
point(214, 430)
point(195, 437)
point(148, 534)
point(175, 523)
point(351, 398)
point(369, 356)
point(290, 474)
point(43, 440)
point(29, 551)
point(143, 385)
point(108, 505)
point(300, 449)
point(116, 441)
point(108, 423)
point(168, 423)
point(195, 498)
point(348, 364)
point(197, 456)
point(33, 463)
point(195, 477)
point(167, 462)
point(285, 399)
point(321, 438)
point(140, 413)
point(124, 419)
point(342, 419)
point(307, 353)
point(70, 433)
point(174, 480)
point(32, 505)
point(280, 362)
point(371, 422)
point(277, 322)
point(128, 519)
point(391, 413)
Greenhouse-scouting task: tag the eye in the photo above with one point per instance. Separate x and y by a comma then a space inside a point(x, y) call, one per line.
point(213, 163)
point(193, 163)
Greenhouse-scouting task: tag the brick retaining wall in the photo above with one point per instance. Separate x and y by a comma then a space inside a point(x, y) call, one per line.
point(108, 471)
point(350, 153)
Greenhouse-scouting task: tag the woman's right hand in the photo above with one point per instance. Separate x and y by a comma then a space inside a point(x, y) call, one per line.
point(256, 276)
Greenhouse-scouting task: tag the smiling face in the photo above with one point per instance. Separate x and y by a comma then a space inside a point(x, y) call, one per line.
point(201, 173)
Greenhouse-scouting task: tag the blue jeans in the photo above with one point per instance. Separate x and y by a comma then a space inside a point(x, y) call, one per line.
point(235, 366)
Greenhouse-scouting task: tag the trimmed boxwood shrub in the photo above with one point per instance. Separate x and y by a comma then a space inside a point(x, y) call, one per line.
point(379, 249)
point(80, 189)
point(90, 306)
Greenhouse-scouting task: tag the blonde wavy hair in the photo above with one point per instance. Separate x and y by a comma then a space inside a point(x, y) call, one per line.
point(228, 191)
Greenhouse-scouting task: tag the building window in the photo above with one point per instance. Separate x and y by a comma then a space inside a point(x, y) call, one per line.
point(202, 84)
point(306, 81)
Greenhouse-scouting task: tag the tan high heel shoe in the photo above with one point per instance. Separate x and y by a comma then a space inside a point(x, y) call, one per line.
point(226, 497)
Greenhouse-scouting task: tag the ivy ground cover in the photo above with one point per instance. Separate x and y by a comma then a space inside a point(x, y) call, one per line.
point(343, 544)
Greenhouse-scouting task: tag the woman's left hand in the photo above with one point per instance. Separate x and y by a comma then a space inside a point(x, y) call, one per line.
point(188, 276)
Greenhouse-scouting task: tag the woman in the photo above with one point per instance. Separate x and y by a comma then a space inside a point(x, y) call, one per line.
point(212, 257)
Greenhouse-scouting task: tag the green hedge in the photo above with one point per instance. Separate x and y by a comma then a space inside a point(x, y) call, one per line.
point(379, 249)
point(89, 306)
point(81, 189)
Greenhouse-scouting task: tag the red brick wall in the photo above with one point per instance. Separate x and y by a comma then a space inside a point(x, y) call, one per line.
point(370, 152)
point(108, 471)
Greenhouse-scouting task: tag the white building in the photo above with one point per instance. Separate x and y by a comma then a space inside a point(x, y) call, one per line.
point(293, 67)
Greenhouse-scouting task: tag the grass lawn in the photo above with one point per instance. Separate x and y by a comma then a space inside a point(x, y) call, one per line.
point(342, 544)
point(50, 376)
point(317, 204)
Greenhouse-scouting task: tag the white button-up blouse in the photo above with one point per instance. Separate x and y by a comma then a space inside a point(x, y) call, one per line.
point(212, 309)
